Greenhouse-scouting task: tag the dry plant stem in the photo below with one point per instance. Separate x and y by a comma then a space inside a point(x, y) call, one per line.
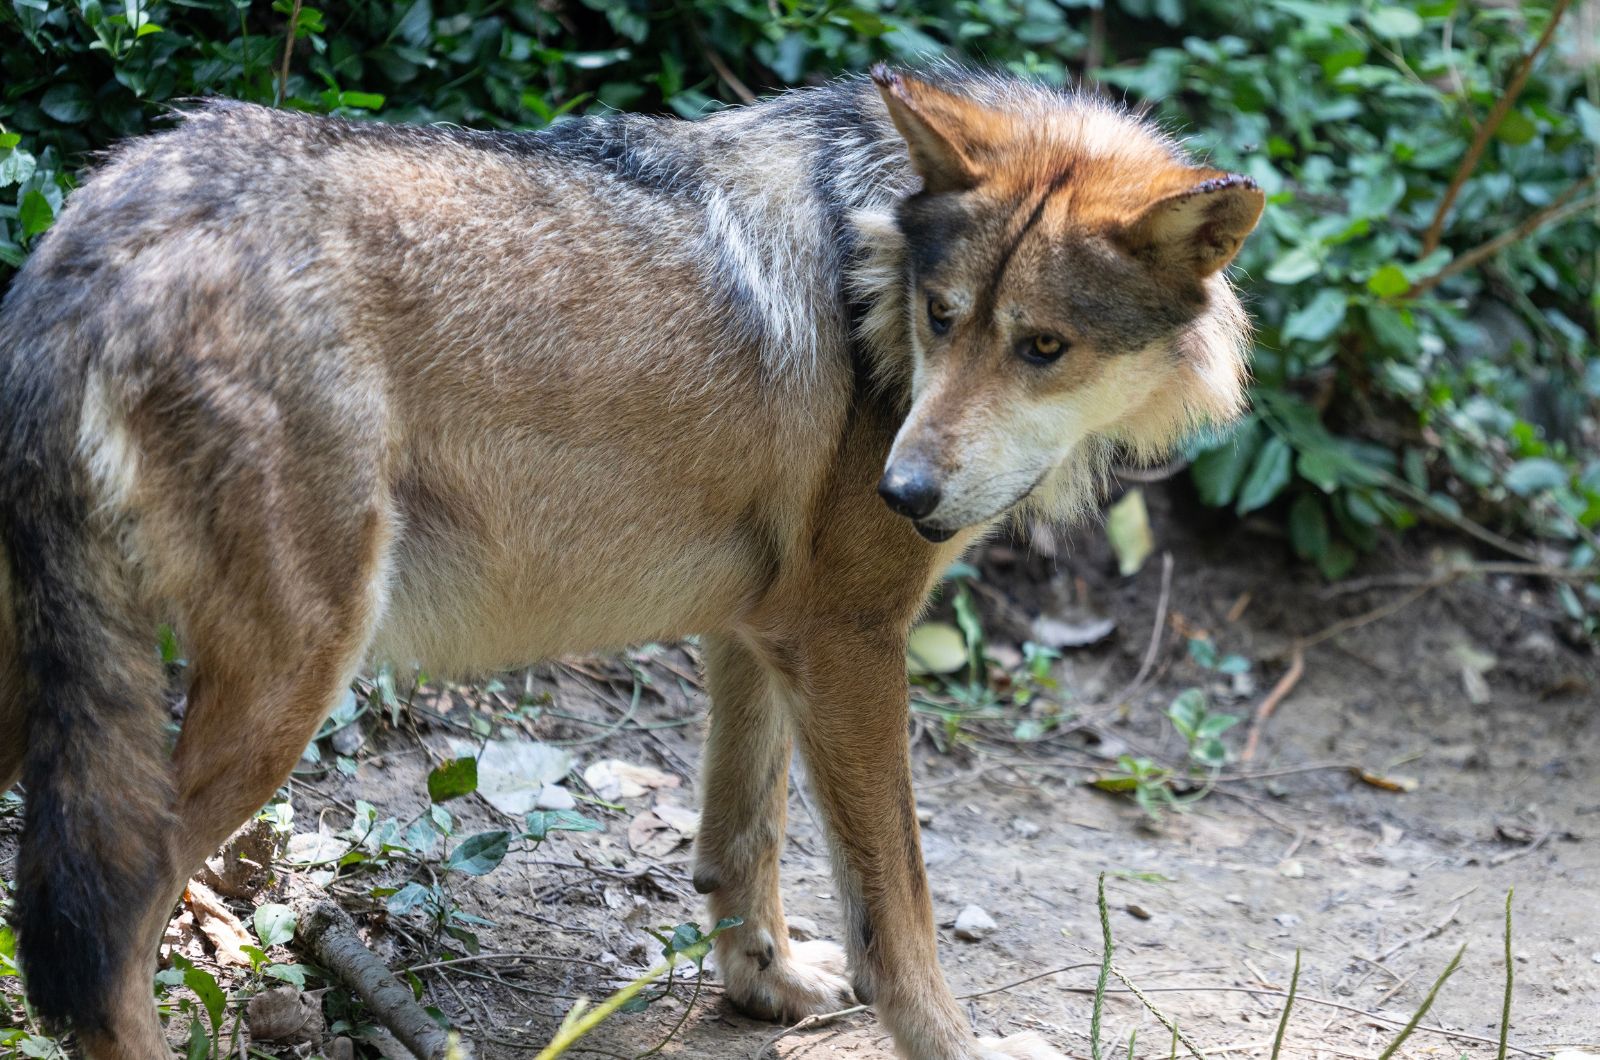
point(1324, 1003)
point(1511, 975)
point(1502, 106)
point(1288, 1006)
point(1280, 692)
point(816, 1019)
point(1558, 210)
point(288, 49)
point(327, 933)
point(1158, 1014)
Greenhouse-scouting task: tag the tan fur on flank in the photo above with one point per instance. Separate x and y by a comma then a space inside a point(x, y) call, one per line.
point(328, 394)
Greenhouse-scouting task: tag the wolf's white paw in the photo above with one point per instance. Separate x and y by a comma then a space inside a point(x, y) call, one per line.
point(1026, 1046)
point(810, 981)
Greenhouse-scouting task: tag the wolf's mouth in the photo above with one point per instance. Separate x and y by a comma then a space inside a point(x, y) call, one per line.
point(941, 534)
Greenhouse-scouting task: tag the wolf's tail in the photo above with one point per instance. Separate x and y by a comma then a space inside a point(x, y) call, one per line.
point(95, 765)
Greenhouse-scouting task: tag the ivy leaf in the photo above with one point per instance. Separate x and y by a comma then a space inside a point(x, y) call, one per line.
point(452, 780)
point(1389, 282)
point(1268, 476)
point(479, 854)
point(1535, 475)
point(1317, 319)
point(274, 924)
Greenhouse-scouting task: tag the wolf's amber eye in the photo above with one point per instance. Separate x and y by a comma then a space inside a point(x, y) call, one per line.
point(1042, 349)
point(940, 315)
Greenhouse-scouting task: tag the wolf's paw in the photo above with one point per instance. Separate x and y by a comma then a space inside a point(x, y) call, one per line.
point(1026, 1046)
point(810, 981)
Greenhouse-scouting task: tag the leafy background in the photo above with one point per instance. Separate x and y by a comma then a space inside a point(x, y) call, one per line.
point(1401, 374)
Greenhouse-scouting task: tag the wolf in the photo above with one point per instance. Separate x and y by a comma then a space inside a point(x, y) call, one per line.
point(318, 392)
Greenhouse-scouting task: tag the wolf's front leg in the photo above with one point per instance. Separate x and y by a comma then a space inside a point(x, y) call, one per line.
point(741, 837)
point(851, 719)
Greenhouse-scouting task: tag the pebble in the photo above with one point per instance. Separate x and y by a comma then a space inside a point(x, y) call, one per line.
point(803, 929)
point(973, 924)
point(1024, 828)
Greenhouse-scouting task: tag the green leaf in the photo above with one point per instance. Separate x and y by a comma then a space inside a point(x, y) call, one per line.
point(540, 823)
point(198, 1046)
point(1516, 129)
point(1535, 475)
point(1394, 22)
point(16, 166)
point(35, 213)
point(1299, 264)
point(1219, 471)
point(1588, 116)
point(274, 924)
point(408, 898)
point(67, 103)
point(452, 780)
point(1389, 282)
point(479, 854)
point(205, 987)
point(1336, 560)
point(1317, 319)
point(1268, 476)
point(1308, 527)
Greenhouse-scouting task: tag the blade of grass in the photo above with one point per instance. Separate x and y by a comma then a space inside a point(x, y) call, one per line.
point(1283, 1021)
point(1105, 973)
point(1505, 1007)
point(1427, 1003)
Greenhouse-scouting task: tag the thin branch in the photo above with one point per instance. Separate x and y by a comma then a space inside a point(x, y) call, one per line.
point(288, 49)
point(1558, 210)
point(1280, 691)
point(1502, 106)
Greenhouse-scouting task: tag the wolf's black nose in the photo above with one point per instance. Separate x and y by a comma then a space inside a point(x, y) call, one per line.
point(909, 491)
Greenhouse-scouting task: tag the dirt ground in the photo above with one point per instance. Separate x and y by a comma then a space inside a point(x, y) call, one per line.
point(1377, 887)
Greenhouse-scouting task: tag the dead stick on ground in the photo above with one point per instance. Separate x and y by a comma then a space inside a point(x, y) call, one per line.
point(1280, 691)
point(327, 933)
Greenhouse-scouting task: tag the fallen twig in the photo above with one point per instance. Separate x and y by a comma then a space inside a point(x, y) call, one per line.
point(328, 934)
point(1280, 691)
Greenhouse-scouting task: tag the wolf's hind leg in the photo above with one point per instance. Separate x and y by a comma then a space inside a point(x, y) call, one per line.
point(11, 712)
point(267, 668)
point(740, 840)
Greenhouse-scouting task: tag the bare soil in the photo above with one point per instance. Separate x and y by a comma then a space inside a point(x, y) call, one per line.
point(1377, 887)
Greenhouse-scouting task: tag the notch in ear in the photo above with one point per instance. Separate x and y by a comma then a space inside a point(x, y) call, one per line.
point(932, 123)
point(1200, 229)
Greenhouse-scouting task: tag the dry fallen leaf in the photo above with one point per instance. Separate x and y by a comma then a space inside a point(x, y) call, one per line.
point(1400, 784)
point(935, 648)
point(226, 933)
point(613, 779)
point(658, 832)
point(285, 1013)
point(1128, 530)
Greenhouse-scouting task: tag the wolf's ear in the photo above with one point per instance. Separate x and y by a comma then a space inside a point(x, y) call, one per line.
point(1200, 229)
point(933, 123)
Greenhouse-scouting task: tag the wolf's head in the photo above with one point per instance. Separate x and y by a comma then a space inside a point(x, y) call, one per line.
point(1054, 291)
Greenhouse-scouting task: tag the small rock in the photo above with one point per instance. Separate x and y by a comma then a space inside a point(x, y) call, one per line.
point(803, 929)
point(1024, 828)
point(924, 815)
point(342, 1048)
point(973, 924)
point(1138, 912)
point(1292, 869)
point(555, 797)
point(348, 740)
point(1287, 920)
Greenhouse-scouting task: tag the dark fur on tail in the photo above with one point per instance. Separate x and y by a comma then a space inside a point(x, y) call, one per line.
point(95, 767)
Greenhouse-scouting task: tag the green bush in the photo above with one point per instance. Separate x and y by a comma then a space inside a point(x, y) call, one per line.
point(1395, 380)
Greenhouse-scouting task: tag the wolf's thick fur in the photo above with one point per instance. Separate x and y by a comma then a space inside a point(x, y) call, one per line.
point(317, 392)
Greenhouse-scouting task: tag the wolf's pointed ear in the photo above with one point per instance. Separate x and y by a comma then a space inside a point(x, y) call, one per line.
point(1200, 229)
point(931, 122)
